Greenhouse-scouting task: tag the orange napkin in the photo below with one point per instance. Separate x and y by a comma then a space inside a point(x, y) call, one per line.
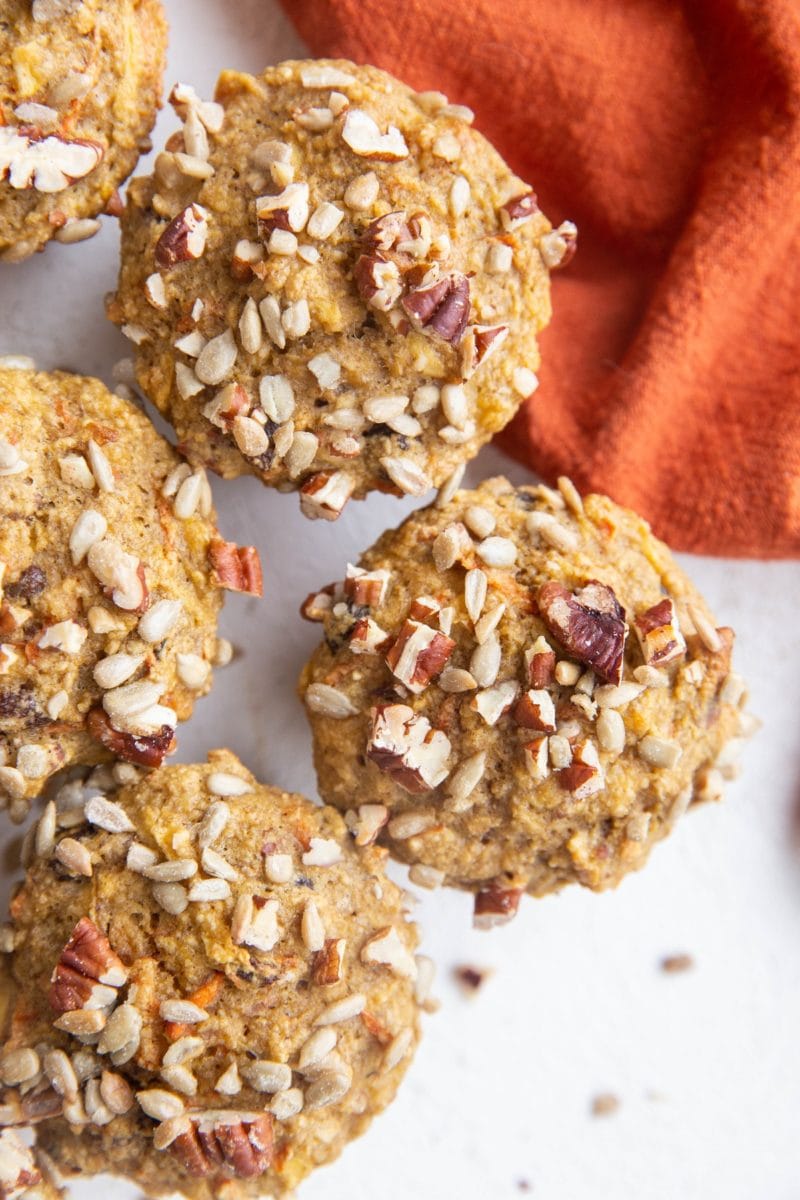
point(669, 131)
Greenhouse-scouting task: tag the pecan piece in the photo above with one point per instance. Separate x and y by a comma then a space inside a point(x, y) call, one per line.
point(86, 969)
point(236, 568)
point(536, 710)
point(18, 1170)
point(479, 342)
point(418, 655)
point(327, 963)
point(378, 281)
point(495, 905)
point(403, 745)
point(367, 637)
point(590, 624)
point(325, 494)
point(584, 776)
point(541, 667)
point(366, 587)
point(241, 1144)
point(317, 605)
point(441, 307)
point(146, 750)
point(659, 633)
point(184, 238)
point(47, 164)
point(517, 211)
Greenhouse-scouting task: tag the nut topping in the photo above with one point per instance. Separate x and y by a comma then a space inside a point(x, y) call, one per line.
point(325, 495)
point(184, 238)
point(590, 624)
point(241, 1142)
point(88, 971)
point(47, 164)
point(584, 776)
point(418, 655)
point(18, 1170)
point(236, 568)
point(535, 710)
point(659, 633)
point(361, 133)
point(479, 342)
point(403, 745)
point(495, 905)
point(519, 210)
point(366, 587)
point(441, 307)
point(146, 750)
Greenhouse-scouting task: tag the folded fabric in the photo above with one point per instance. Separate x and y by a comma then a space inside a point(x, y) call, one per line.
point(670, 133)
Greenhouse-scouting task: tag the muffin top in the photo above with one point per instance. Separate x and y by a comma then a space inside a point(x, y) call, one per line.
point(333, 283)
point(211, 988)
point(80, 83)
point(517, 689)
point(110, 575)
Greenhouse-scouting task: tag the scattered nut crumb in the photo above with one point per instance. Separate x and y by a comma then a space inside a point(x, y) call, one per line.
point(471, 979)
point(674, 964)
point(524, 1185)
point(605, 1104)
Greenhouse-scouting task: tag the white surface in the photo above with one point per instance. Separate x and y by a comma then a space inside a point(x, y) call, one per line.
point(706, 1064)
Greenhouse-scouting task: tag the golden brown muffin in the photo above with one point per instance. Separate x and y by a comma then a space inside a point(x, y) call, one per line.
point(80, 84)
point(211, 989)
point(333, 283)
point(110, 573)
point(516, 690)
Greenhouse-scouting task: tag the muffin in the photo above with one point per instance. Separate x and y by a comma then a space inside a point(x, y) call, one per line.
point(518, 689)
point(333, 283)
point(80, 84)
point(110, 575)
point(211, 989)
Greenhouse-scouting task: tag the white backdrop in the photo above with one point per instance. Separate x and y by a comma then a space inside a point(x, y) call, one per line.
point(706, 1064)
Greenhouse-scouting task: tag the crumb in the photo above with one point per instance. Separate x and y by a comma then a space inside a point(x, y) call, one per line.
point(471, 979)
point(673, 964)
point(523, 1185)
point(605, 1104)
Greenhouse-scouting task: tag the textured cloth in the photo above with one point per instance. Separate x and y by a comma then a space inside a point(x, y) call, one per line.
point(670, 133)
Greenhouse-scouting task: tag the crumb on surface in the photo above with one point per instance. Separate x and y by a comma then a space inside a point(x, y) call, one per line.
point(674, 964)
point(605, 1104)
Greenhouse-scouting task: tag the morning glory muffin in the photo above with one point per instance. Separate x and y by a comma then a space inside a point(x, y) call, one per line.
point(210, 988)
point(333, 283)
point(518, 689)
point(111, 571)
point(80, 84)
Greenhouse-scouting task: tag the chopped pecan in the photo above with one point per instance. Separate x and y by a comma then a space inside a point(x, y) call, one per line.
point(366, 587)
point(590, 624)
point(367, 637)
point(287, 210)
point(584, 776)
point(325, 494)
point(242, 1143)
point(18, 1170)
point(403, 745)
point(327, 963)
point(478, 343)
point(517, 211)
point(535, 710)
point(659, 633)
point(376, 1028)
point(47, 164)
point(378, 281)
point(418, 655)
point(184, 238)
point(441, 307)
point(541, 668)
point(236, 568)
point(146, 750)
point(86, 969)
point(495, 905)
point(317, 605)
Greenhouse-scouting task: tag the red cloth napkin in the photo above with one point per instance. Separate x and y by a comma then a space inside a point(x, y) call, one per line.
point(669, 132)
